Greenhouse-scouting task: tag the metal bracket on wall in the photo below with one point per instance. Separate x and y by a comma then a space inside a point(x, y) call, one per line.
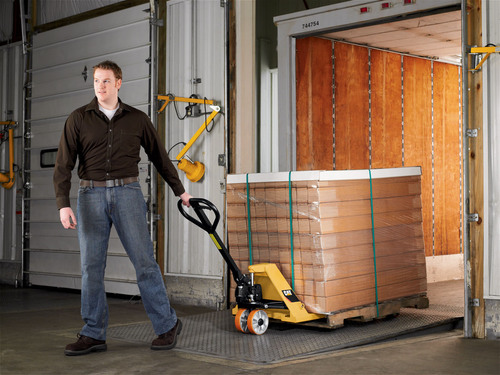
point(471, 218)
point(156, 22)
point(471, 133)
point(474, 302)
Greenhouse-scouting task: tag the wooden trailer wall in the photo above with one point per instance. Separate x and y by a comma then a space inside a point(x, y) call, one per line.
point(360, 108)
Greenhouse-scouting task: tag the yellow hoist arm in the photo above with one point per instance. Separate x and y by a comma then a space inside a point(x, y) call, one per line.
point(215, 110)
point(487, 50)
point(194, 171)
point(8, 180)
point(172, 98)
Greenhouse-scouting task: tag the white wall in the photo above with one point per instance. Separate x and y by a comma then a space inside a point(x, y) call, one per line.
point(491, 122)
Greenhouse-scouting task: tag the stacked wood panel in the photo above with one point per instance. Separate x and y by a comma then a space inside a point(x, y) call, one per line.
point(331, 232)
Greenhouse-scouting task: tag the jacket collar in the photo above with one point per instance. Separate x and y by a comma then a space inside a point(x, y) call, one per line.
point(94, 106)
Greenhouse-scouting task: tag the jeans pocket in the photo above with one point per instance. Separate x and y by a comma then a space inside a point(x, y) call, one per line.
point(134, 186)
point(84, 189)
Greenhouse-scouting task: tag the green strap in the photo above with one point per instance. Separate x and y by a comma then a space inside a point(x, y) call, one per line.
point(249, 225)
point(291, 224)
point(373, 240)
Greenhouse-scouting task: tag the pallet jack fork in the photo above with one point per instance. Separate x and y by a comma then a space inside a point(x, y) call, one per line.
point(262, 294)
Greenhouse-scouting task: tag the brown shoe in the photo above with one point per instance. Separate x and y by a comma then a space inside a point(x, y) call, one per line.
point(85, 345)
point(167, 340)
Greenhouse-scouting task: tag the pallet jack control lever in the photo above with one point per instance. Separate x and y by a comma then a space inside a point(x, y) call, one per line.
point(200, 205)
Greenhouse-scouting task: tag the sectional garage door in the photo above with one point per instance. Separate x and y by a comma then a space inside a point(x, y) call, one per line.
point(61, 81)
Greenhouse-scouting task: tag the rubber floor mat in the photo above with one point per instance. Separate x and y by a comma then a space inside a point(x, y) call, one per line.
point(214, 334)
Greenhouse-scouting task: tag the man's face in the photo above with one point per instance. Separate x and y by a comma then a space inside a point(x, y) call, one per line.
point(106, 86)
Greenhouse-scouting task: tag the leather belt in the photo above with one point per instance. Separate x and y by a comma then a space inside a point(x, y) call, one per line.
point(108, 183)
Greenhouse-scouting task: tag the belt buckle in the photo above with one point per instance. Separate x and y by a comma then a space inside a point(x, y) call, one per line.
point(110, 183)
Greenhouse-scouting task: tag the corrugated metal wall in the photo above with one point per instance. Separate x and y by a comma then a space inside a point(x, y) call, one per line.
point(11, 109)
point(389, 110)
point(196, 65)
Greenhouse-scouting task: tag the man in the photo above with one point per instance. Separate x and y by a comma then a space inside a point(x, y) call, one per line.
point(106, 136)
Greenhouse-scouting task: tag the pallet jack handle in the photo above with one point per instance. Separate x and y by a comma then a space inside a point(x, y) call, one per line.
point(200, 205)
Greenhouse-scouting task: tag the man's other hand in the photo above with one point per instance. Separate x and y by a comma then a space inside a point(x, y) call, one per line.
point(68, 218)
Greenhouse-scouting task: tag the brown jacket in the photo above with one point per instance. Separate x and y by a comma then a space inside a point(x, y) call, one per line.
point(108, 149)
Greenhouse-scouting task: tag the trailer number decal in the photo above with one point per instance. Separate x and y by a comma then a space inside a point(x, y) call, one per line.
point(308, 25)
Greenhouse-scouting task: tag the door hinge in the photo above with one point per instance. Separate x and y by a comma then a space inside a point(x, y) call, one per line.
point(471, 133)
point(221, 160)
point(156, 22)
point(474, 302)
point(472, 218)
point(223, 3)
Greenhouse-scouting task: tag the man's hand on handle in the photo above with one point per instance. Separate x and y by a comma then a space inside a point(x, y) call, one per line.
point(68, 218)
point(185, 199)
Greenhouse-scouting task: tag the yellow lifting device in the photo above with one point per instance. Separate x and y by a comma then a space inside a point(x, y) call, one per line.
point(8, 180)
point(488, 50)
point(194, 171)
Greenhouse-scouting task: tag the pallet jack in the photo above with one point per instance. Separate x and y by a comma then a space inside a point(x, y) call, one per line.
point(261, 294)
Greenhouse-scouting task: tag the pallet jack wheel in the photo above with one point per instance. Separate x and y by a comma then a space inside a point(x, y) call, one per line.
point(240, 320)
point(257, 322)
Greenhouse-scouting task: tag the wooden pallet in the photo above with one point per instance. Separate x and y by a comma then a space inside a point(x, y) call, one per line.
point(369, 312)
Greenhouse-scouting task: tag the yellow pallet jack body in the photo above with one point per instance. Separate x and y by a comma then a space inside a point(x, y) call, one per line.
point(276, 288)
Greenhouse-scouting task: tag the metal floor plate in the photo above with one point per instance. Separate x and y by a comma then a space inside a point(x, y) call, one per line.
point(214, 334)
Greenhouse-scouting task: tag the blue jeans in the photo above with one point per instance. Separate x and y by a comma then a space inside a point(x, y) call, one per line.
point(124, 207)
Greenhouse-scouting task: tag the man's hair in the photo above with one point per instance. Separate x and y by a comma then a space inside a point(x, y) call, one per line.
point(110, 65)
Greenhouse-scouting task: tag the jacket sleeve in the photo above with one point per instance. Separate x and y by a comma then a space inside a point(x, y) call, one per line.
point(158, 155)
point(66, 160)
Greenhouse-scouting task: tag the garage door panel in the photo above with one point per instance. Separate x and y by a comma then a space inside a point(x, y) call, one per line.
point(43, 210)
point(116, 268)
point(95, 25)
point(51, 230)
point(75, 282)
point(93, 45)
point(41, 187)
point(62, 105)
point(133, 94)
point(46, 134)
point(52, 240)
point(51, 262)
point(70, 77)
point(51, 244)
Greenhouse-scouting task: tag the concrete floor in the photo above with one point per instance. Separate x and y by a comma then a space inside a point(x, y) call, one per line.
point(36, 324)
